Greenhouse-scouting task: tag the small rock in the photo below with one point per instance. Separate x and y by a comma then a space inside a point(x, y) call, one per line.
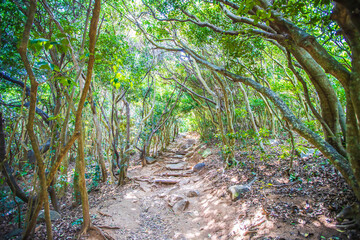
point(53, 216)
point(193, 214)
point(192, 193)
point(16, 232)
point(150, 160)
point(206, 153)
point(180, 206)
point(237, 190)
point(173, 199)
point(177, 166)
point(198, 167)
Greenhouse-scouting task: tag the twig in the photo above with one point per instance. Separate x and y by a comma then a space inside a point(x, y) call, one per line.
point(109, 227)
point(251, 228)
point(104, 214)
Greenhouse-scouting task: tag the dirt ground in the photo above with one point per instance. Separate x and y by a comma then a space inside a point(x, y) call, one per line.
point(278, 206)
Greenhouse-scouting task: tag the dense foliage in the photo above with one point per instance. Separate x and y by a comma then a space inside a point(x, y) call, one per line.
point(87, 84)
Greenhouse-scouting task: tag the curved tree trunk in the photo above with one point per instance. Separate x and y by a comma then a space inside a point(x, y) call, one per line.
point(98, 138)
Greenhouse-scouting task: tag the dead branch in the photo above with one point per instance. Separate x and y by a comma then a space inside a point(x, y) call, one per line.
point(174, 174)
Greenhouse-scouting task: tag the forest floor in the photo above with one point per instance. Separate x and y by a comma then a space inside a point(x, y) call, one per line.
point(198, 206)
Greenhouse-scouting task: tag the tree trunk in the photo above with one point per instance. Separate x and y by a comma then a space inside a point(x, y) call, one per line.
point(248, 108)
point(98, 138)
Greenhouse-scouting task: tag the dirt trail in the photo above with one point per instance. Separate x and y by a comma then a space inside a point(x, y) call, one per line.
point(142, 211)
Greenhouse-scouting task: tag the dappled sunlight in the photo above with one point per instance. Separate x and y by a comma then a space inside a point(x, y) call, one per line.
point(234, 179)
point(130, 195)
point(173, 119)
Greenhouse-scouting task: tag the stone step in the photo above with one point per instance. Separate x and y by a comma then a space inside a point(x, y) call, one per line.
point(177, 166)
point(177, 156)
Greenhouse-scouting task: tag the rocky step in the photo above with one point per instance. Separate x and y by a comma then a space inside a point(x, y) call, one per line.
point(175, 174)
point(177, 156)
point(177, 166)
point(181, 152)
point(173, 161)
point(169, 151)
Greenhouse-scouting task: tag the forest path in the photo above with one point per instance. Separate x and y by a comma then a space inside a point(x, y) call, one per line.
point(198, 206)
point(144, 209)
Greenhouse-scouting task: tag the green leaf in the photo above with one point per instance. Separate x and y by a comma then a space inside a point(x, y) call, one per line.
point(39, 40)
point(56, 68)
point(44, 65)
point(48, 46)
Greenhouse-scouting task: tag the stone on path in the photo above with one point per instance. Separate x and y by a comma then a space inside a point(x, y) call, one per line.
point(236, 191)
point(150, 160)
point(54, 215)
point(192, 193)
point(178, 203)
point(180, 206)
point(14, 233)
point(198, 167)
point(174, 198)
point(177, 166)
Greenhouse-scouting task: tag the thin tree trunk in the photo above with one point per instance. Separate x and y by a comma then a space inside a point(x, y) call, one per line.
point(98, 139)
point(30, 126)
point(125, 158)
point(248, 108)
point(78, 126)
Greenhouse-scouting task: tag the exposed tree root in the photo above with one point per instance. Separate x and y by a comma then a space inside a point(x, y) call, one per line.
point(174, 175)
point(109, 227)
point(252, 229)
point(104, 214)
point(104, 235)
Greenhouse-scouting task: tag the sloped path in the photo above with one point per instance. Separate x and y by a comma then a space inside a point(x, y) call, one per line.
point(143, 210)
point(197, 206)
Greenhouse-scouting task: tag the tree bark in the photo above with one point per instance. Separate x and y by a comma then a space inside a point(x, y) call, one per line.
point(30, 126)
